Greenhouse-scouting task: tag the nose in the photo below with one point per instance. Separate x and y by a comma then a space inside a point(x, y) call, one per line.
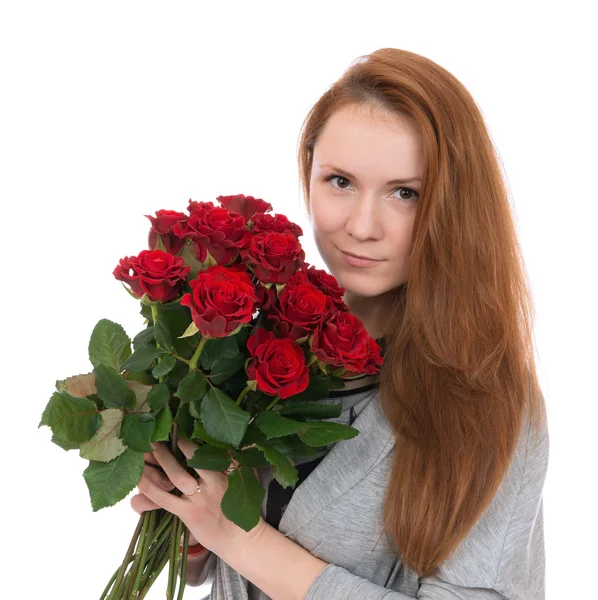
point(363, 221)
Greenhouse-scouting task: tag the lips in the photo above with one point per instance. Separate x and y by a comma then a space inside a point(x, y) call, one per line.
point(360, 256)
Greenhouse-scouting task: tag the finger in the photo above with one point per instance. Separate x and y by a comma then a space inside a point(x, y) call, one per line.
point(150, 458)
point(158, 478)
point(160, 497)
point(141, 503)
point(183, 480)
point(188, 448)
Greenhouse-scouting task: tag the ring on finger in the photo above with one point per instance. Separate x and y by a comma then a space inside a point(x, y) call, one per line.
point(197, 490)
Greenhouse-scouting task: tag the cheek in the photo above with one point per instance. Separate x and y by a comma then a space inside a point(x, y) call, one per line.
point(325, 215)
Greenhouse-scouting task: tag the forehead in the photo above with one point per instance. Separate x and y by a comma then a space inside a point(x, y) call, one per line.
point(358, 139)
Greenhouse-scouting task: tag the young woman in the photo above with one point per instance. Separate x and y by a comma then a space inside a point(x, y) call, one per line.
point(440, 496)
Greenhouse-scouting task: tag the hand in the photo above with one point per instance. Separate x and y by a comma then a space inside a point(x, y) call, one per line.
point(200, 512)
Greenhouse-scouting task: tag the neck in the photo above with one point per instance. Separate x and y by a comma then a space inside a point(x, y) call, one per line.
point(366, 309)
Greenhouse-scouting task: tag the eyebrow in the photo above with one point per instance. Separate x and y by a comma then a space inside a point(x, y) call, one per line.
point(391, 182)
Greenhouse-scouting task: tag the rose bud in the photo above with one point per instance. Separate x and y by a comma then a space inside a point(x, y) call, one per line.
point(162, 225)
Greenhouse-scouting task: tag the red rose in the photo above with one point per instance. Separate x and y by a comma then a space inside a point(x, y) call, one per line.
point(222, 299)
point(267, 298)
point(264, 222)
point(278, 364)
point(375, 360)
point(244, 205)
point(194, 205)
point(162, 225)
point(158, 274)
point(302, 307)
point(328, 284)
point(213, 229)
point(273, 257)
point(343, 341)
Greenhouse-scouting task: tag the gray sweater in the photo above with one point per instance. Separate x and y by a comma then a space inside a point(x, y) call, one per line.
point(336, 514)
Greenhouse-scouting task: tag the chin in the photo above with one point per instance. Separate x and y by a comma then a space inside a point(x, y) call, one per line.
point(362, 289)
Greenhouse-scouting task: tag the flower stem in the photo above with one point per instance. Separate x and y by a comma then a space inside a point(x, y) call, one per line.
point(243, 393)
point(155, 311)
point(164, 522)
point(128, 558)
point(162, 560)
point(183, 565)
point(274, 401)
point(105, 592)
point(154, 308)
point(159, 551)
point(139, 551)
point(172, 553)
point(144, 547)
point(195, 357)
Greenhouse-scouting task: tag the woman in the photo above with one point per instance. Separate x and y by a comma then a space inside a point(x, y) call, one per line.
point(398, 168)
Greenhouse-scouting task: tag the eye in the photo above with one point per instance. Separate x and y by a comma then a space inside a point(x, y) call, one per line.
point(330, 177)
point(409, 191)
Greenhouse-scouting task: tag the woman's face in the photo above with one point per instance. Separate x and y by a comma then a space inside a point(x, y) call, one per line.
point(355, 207)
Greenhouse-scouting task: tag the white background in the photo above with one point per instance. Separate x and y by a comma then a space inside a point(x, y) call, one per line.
point(112, 110)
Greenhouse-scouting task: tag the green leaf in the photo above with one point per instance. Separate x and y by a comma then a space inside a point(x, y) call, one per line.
point(159, 396)
point(137, 431)
point(322, 433)
point(253, 436)
point(109, 345)
point(194, 408)
point(164, 366)
point(210, 458)
point(275, 425)
point(317, 389)
point(252, 457)
point(144, 338)
point(163, 425)
point(224, 368)
point(172, 323)
point(284, 470)
point(200, 433)
point(141, 391)
point(106, 444)
point(242, 501)
point(218, 349)
point(64, 444)
point(162, 334)
point(177, 375)
point(336, 383)
point(311, 409)
point(192, 387)
point(140, 376)
point(71, 419)
point(113, 389)
point(185, 421)
point(112, 481)
point(292, 447)
point(79, 386)
point(222, 418)
point(142, 358)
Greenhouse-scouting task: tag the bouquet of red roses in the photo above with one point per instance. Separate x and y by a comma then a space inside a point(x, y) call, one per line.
point(242, 340)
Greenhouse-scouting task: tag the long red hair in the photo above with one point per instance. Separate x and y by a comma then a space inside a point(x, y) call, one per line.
point(459, 381)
